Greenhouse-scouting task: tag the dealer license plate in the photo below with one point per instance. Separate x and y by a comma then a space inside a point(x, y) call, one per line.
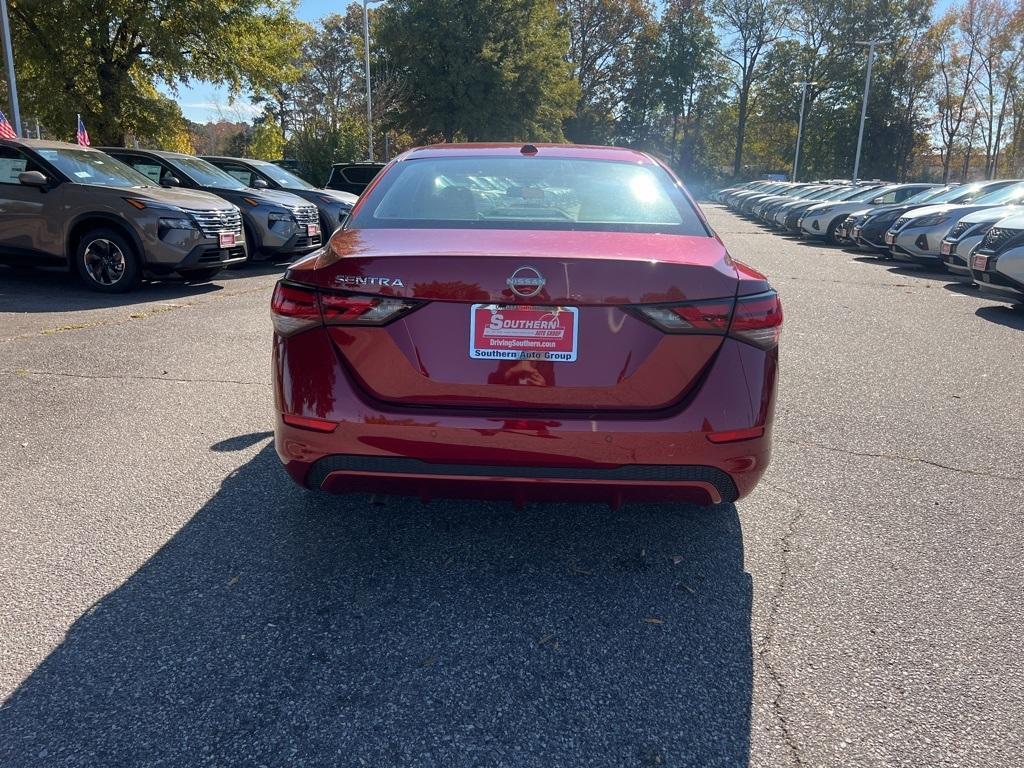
point(312, 230)
point(227, 239)
point(945, 248)
point(979, 262)
point(890, 238)
point(517, 332)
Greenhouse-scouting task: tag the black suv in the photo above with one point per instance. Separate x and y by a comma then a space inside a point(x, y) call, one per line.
point(353, 177)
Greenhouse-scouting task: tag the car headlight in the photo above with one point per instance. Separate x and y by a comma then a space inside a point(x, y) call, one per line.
point(276, 216)
point(932, 220)
point(177, 223)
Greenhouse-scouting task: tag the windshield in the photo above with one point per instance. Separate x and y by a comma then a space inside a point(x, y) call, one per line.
point(286, 179)
point(490, 192)
point(927, 195)
point(205, 174)
point(861, 194)
point(84, 166)
point(960, 194)
point(1004, 196)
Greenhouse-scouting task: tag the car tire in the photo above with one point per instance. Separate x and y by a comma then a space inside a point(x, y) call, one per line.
point(201, 275)
point(107, 262)
point(830, 233)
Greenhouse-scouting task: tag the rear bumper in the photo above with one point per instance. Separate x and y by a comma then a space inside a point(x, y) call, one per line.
point(522, 455)
point(615, 486)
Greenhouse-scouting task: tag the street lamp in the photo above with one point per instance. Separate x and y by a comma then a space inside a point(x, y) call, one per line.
point(864, 107)
point(800, 130)
point(366, 52)
point(5, 32)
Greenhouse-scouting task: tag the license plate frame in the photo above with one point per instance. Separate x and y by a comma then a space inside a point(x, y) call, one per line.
point(312, 230)
point(946, 248)
point(523, 332)
point(979, 262)
point(227, 240)
point(890, 238)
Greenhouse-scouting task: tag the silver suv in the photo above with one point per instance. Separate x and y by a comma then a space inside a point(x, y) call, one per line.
point(62, 204)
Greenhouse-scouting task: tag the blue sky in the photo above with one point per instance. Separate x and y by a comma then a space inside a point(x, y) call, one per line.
point(203, 102)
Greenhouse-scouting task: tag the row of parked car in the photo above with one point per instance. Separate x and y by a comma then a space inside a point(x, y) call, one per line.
point(116, 215)
point(973, 231)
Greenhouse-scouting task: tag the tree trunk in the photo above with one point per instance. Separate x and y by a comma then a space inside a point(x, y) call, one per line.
point(741, 129)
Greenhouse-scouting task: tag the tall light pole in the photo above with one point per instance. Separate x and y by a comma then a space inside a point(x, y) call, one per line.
point(800, 130)
point(871, 44)
point(366, 52)
point(5, 29)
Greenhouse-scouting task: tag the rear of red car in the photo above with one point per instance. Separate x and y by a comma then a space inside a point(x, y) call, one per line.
point(526, 323)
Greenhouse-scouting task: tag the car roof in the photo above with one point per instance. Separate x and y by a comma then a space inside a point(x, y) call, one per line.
point(47, 144)
point(154, 152)
point(508, 149)
point(236, 159)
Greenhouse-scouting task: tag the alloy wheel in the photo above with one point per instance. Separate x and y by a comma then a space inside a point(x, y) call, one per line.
point(104, 261)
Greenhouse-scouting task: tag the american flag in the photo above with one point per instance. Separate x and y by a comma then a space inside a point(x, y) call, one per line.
point(82, 136)
point(6, 131)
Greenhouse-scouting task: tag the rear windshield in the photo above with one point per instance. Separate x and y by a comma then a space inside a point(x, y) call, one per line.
point(529, 193)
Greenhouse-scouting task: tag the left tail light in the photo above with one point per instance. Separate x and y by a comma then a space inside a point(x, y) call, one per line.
point(295, 308)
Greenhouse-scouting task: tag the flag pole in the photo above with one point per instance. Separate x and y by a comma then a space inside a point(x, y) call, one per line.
point(5, 29)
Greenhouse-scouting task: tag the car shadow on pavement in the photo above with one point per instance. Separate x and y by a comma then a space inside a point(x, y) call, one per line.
point(1003, 314)
point(283, 627)
point(39, 290)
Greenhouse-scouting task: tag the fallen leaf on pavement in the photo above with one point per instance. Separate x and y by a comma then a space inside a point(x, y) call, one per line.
point(653, 620)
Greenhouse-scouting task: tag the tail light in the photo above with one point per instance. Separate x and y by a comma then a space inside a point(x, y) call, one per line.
point(754, 319)
point(295, 308)
point(757, 320)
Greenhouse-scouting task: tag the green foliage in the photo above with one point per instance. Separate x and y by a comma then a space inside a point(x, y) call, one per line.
point(266, 142)
point(105, 58)
point(479, 69)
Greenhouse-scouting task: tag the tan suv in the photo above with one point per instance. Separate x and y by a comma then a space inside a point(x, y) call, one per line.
point(62, 204)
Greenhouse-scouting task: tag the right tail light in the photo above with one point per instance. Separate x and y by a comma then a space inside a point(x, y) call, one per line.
point(755, 320)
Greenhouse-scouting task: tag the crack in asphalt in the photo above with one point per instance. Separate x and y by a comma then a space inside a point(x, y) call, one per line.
point(763, 648)
point(897, 457)
point(128, 377)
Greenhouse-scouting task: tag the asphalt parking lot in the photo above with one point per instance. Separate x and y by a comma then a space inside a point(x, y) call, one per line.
point(169, 597)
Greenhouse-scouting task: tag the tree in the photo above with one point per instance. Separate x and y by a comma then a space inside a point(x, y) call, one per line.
point(266, 142)
point(479, 69)
point(602, 38)
point(956, 57)
point(688, 45)
point(104, 58)
point(751, 28)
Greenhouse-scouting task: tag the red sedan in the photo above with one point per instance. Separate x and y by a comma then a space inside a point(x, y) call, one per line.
point(526, 322)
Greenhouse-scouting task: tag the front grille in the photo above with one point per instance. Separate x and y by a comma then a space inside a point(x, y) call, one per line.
point(305, 214)
point(215, 222)
point(999, 238)
point(958, 229)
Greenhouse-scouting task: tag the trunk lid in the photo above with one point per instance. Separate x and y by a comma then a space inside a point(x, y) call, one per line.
point(584, 283)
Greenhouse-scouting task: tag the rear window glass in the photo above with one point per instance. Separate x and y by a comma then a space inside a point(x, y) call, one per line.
point(557, 193)
point(360, 175)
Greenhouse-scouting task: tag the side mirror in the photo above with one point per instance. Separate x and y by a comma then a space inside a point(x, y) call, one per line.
point(32, 179)
point(259, 184)
point(170, 181)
